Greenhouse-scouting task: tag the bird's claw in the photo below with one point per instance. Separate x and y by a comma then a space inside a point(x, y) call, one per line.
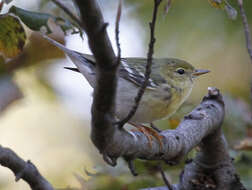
point(149, 133)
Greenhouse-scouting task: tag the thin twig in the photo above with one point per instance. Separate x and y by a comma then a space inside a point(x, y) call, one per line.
point(166, 181)
point(148, 65)
point(118, 18)
point(68, 12)
point(132, 167)
point(247, 34)
point(246, 29)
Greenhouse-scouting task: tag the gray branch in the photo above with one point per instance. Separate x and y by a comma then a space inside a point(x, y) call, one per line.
point(67, 11)
point(247, 32)
point(23, 170)
point(106, 81)
point(212, 168)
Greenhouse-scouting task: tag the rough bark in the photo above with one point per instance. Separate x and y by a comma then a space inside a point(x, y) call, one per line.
point(106, 81)
point(23, 170)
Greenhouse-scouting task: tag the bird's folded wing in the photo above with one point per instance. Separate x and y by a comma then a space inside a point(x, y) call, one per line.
point(133, 69)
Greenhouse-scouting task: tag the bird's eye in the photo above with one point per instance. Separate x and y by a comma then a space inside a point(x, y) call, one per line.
point(181, 71)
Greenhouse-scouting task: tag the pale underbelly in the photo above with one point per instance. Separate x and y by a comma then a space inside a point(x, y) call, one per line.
point(149, 109)
point(153, 106)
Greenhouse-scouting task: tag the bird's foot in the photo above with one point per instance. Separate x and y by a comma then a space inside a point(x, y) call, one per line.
point(149, 133)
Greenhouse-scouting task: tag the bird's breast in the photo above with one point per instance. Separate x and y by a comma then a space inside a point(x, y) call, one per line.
point(155, 104)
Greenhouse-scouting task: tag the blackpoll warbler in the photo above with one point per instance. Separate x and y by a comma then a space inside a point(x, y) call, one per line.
point(170, 84)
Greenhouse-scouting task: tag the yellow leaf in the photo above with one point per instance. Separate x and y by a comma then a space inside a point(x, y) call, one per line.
point(245, 144)
point(12, 36)
point(174, 122)
point(224, 5)
point(219, 4)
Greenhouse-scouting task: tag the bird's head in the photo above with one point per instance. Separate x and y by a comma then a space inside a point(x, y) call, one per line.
point(180, 73)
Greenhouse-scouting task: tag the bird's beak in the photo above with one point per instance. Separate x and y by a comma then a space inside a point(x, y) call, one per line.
point(199, 72)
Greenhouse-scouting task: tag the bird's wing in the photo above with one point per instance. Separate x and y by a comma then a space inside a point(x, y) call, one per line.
point(85, 63)
point(87, 60)
point(133, 69)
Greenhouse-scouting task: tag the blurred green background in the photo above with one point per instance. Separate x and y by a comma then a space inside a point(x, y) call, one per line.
point(50, 125)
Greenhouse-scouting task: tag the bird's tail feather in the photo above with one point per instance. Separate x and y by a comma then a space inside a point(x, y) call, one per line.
point(59, 45)
point(85, 63)
point(72, 69)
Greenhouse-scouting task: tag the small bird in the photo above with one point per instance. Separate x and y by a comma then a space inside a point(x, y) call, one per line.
point(170, 84)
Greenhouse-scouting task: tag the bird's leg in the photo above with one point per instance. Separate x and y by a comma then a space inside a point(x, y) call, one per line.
point(149, 133)
point(143, 130)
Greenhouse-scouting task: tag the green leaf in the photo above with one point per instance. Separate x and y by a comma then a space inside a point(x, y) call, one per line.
point(2, 65)
point(37, 21)
point(12, 36)
point(2, 61)
point(224, 5)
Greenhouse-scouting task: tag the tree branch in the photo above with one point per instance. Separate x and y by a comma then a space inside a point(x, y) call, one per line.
point(166, 181)
point(68, 12)
point(103, 118)
point(246, 29)
point(247, 35)
point(23, 170)
point(118, 18)
point(212, 168)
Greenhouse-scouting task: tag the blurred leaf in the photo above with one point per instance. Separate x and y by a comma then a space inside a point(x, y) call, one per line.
point(2, 65)
point(224, 5)
point(2, 61)
point(238, 118)
point(123, 182)
point(1, 6)
point(245, 144)
point(238, 109)
point(7, 1)
point(9, 92)
point(81, 180)
point(168, 6)
point(40, 21)
point(91, 174)
point(219, 4)
point(2, 3)
point(12, 36)
point(249, 131)
point(174, 122)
